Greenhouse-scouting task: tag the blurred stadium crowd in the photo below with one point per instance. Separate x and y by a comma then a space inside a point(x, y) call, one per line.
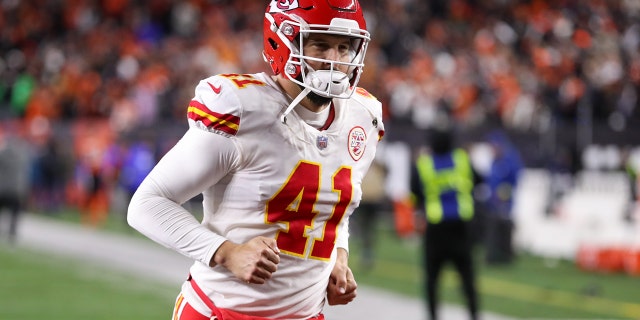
point(100, 87)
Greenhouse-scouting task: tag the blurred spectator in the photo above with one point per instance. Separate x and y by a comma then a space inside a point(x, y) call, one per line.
point(95, 202)
point(528, 66)
point(631, 166)
point(94, 174)
point(14, 181)
point(519, 61)
point(50, 177)
point(502, 181)
point(139, 159)
point(397, 159)
point(442, 182)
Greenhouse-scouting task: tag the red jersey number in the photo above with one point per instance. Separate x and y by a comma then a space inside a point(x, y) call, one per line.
point(294, 204)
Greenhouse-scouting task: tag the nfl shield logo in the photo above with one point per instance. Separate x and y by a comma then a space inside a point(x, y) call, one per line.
point(321, 142)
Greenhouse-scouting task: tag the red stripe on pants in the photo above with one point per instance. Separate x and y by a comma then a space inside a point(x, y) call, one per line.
point(187, 312)
point(225, 314)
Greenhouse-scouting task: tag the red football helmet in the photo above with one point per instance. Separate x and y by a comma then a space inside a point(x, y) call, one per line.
point(288, 23)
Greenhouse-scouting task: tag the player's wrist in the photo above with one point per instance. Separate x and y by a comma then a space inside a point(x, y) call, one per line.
point(343, 256)
point(220, 256)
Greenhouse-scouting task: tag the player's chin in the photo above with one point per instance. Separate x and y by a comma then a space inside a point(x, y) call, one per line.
point(317, 99)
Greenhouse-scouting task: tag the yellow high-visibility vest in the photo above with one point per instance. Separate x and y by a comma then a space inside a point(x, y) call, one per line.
point(458, 178)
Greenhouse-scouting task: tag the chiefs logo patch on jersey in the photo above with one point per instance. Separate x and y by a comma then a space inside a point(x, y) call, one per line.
point(283, 5)
point(357, 142)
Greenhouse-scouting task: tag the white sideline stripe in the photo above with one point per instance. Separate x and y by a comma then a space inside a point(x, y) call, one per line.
point(147, 259)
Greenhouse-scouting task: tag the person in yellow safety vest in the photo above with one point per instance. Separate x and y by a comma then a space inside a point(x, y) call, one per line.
point(442, 183)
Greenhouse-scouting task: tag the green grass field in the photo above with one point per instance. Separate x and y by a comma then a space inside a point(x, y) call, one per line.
point(42, 286)
point(529, 288)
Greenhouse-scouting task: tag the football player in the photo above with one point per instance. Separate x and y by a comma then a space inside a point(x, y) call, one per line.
point(279, 160)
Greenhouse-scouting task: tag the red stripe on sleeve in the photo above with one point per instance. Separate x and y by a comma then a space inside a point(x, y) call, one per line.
point(218, 121)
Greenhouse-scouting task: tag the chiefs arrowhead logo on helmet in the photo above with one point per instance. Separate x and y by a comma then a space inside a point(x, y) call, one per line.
point(283, 5)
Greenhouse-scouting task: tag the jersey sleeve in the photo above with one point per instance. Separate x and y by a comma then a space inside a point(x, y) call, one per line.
point(342, 240)
point(373, 106)
point(215, 107)
point(155, 209)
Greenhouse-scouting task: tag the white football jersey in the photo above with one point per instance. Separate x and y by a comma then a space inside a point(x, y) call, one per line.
point(290, 182)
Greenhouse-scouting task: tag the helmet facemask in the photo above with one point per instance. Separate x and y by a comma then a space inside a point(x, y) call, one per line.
point(330, 82)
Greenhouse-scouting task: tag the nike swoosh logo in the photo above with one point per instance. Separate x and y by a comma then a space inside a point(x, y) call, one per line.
point(214, 88)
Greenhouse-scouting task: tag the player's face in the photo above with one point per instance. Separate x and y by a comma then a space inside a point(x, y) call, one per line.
point(329, 47)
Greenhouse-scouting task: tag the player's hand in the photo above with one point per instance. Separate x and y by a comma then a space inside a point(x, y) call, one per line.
point(342, 285)
point(252, 262)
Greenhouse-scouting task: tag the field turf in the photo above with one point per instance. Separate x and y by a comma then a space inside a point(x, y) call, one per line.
point(36, 286)
point(531, 287)
point(44, 286)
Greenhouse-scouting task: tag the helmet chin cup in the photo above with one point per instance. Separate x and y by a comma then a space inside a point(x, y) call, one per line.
point(327, 83)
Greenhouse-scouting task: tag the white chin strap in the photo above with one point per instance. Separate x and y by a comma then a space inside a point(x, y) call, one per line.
point(325, 83)
point(304, 93)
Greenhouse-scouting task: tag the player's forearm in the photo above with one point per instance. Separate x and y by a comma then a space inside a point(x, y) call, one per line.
point(170, 225)
point(155, 208)
point(342, 257)
point(342, 240)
